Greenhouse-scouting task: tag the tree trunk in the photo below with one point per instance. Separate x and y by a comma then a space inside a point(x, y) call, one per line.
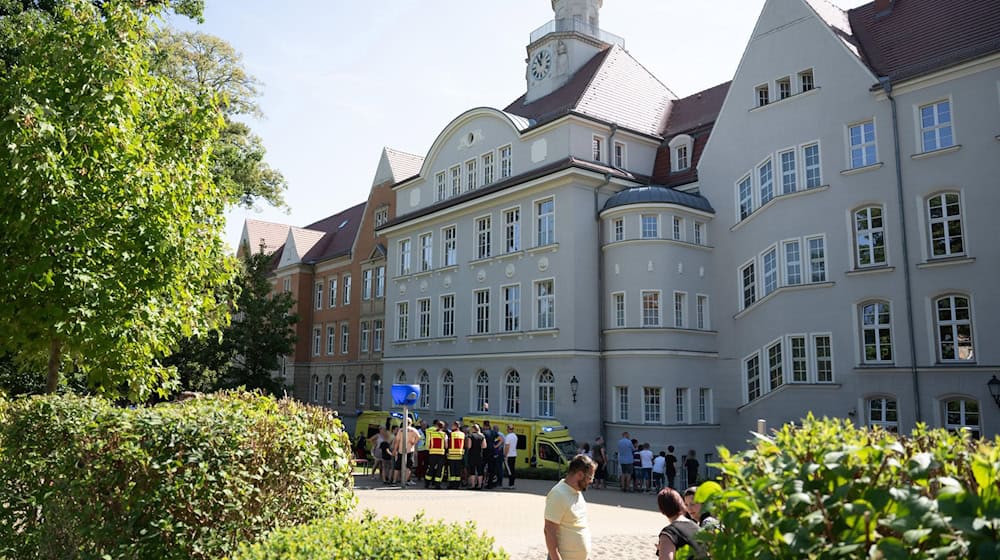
point(55, 352)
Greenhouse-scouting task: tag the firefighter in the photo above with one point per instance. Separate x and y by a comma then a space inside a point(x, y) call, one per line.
point(437, 440)
point(456, 454)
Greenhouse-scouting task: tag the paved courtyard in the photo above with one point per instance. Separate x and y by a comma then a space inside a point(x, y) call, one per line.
point(623, 525)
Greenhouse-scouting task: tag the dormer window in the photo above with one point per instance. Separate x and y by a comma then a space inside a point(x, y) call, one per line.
point(680, 152)
point(806, 82)
point(784, 88)
point(620, 155)
point(763, 95)
point(381, 215)
point(682, 157)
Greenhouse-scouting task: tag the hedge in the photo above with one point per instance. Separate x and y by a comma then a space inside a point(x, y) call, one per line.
point(371, 537)
point(830, 490)
point(82, 478)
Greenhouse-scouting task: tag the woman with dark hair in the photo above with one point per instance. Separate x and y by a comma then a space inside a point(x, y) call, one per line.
point(681, 531)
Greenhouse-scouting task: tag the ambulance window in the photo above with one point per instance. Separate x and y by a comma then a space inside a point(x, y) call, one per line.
point(522, 441)
point(547, 453)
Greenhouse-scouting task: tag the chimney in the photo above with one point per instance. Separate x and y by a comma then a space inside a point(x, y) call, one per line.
point(883, 7)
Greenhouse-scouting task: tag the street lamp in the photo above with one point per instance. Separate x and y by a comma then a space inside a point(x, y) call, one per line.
point(574, 385)
point(994, 385)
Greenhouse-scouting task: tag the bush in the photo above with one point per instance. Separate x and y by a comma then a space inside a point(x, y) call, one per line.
point(80, 477)
point(830, 490)
point(372, 537)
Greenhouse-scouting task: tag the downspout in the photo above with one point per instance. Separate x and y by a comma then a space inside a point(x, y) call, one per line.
point(602, 366)
point(887, 88)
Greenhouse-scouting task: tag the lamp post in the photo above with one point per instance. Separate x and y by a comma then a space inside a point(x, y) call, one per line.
point(994, 385)
point(573, 386)
point(405, 395)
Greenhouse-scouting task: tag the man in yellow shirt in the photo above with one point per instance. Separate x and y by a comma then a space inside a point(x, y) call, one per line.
point(567, 534)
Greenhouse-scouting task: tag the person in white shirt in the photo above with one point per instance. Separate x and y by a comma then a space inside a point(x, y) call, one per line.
point(510, 452)
point(567, 532)
point(646, 458)
point(659, 468)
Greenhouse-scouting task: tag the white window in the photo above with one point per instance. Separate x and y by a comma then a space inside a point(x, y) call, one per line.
point(317, 334)
point(448, 315)
point(482, 391)
point(651, 404)
point(286, 284)
point(876, 332)
point(680, 305)
point(456, 180)
point(598, 148)
point(621, 403)
point(769, 263)
point(328, 383)
point(944, 214)
point(365, 336)
point(862, 139)
point(748, 284)
point(316, 388)
point(488, 168)
point(883, 412)
point(702, 311)
point(806, 82)
point(704, 405)
point(680, 402)
point(482, 318)
point(505, 161)
point(793, 262)
point(512, 393)
point(512, 230)
point(962, 415)
point(810, 155)
point(512, 308)
point(745, 189)
point(545, 305)
point(650, 226)
point(618, 309)
point(546, 212)
point(765, 174)
point(424, 318)
point(342, 392)
point(345, 338)
point(799, 359)
point(751, 371)
point(935, 126)
point(471, 174)
point(823, 354)
point(620, 160)
point(618, 229)
point(331, 338)
point(681, 157)
point(650, 308)
point(789, 174)
point(817, 259)
point(699, 233)
point(402, 320)
point(404, 257)
point(376, 392)
point(775, 363)
point(448, 391)
point(319, 295)
point(762, 95)
point(449, 251)
point(442, 185)
point(426, 252)
point(361, 390)
point(953, 320)
point(366, 284)
point(347, 289)
point(381, 216)
point(484, 237)
point(678, 228)
point(377, 334)
point(546, 394)
point(424, 381)
point(380, 282)
point(869, 237)
point(784, 87)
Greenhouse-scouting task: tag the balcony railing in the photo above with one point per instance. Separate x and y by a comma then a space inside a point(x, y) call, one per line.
point(579, 26)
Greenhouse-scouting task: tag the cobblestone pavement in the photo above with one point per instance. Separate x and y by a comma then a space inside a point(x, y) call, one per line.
point(623, 525)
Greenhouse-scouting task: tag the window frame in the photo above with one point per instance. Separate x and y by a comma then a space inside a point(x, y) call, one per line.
point(403, 320)
point(545, 221)
point(747, 295)
point(643, 232)
point(449, 246)
point(876, 329)
point(405, 246)
point(511, 229)
point(862, 147)
point(546, 401)
point(619, 311)
point(645, 318)
point(954, 324)
point(511, 317)
point(936, 127)
point(488, 163)
point(441, 184)
point(538, 300)
point(481, 320)
point(652, 409)
point(815, 354)
point(752, 385)
point(426, 245)
point(424, 317)
point(447, 315)
point(484, 236)
point(873, 235)
point(512, 393)
point(884, 410)
point(621, 403)
point(702, 312)
point(680, 309)
point(506, 157)
point(945, 220)
point(345, 337)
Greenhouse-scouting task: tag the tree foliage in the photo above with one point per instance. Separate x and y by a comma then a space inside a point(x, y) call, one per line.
point(112, 246)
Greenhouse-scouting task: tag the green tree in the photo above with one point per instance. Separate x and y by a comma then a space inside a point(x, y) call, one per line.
point(111, 220)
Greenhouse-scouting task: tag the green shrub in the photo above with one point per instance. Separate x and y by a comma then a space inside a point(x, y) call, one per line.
point(830, 490)
point(81, 478)
point(371, 537)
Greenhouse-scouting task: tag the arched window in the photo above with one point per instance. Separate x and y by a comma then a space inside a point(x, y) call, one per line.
point(546, 394)
point(954, 329)
point(962, 414)
point(376, 392)
point(876, 332)
point(425, 389)
point(512, 393)
point(482, 391)
point(400, 376)
point(447, 391)
point(343, 390)
point(361, 391)
point(882, 411)
point(869, 237)
point(944, 220)
point(315, 390)
point(329, 389)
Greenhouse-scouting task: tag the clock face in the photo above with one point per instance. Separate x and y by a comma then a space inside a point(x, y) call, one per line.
point(541, 63)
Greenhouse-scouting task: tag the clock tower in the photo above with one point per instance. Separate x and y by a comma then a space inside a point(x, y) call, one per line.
point(560, 47)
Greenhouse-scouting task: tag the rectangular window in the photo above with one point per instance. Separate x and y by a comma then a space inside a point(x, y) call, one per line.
point(806, 82)
point(449, 249)
point(366, 284)
point(505, 162)
point(800, 362)
point(424, 318)
point(751, 370)
point(748, 284)
point(316, 341)
point(784, 87)
point(512, 230)
point(546, 212)
point(789, 178)
point(766, 175)
point(680, 305)
point(699, 233)
point(680, 400)
point(704, 403)
point(817, 259)
point(681, 156)
point(448, 315)
point(365, 335)
point(618, 229)
point(769, 261)
point(402, 320)
point(862, 139)
point(618, 309)
point(442, 185)
point(793, 262)
point(426, 252)
point(651, 404)
point(482, 318)
point(404, 257)
point(381, 216)
point(775, 363)
point(484, 237)
point(331, 338)
point(650, 308)
point(377, 332)
point(345, 338)
point(347, 289)
point(380, 282)
point(621, 402)
point(319, 295)
point(545, 304)
point(745, 189)
point(650, 226)
point(763, 95)
point(286, 284)
point(944, 214)
point(456, 180)
point(488, 170)
point(823, 351)
point(598, 148)
point(869, 237)
point(678, 230)
point(471, 174)
point(702, 311)
point(512, 308)
point(810, 154)
point(935, 126)
point(620, 155)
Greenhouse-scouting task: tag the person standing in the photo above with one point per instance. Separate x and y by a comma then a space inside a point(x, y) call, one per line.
point(475, 446)
point(510, 452)
point(659, 465)
point(600, 456)
point(671, 467)
point(422, 451)
point(499, 460)
point(456, 454)
point(403, 452)
point(489, 457)
point(646, 460)
point(691, 466)
point(625, 461)
point(636, 466)
point(681, 531)
point(436, 441)
point(567, 533)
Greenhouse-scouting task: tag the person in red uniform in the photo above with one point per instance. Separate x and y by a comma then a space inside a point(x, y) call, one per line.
point(437, 440)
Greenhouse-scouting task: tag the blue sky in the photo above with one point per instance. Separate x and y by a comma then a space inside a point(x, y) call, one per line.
point(343, 79)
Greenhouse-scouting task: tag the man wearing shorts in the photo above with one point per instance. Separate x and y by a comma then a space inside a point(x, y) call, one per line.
point(625, 461)
point(475, 445)
point(408, 450)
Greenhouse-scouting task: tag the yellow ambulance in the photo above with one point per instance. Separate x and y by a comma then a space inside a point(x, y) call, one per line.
point(544, 444)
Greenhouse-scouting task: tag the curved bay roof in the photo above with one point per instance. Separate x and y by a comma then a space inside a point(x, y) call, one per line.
point(656, 194)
